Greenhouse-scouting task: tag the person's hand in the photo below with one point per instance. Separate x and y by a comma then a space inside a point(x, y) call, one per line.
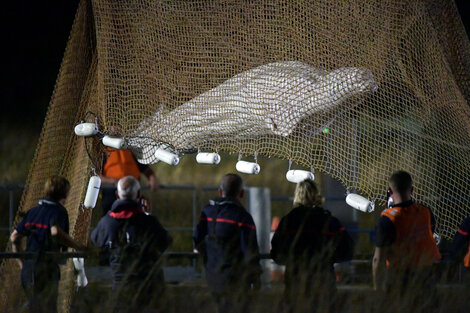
point(109, 180)
point(20, 263)
point(153, 183)
point(146, 205)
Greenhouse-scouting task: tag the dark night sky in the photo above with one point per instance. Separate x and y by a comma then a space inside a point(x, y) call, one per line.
point(34, 38)
point(35, 34)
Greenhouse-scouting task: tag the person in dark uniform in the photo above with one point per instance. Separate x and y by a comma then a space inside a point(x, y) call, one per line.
point(405, 249)
point(226, 238)
point(136, 241)
point(121, 163)
point(309, 240)
point(46, 227)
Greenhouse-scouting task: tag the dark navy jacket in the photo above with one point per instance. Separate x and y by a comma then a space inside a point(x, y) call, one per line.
point(37, 223)
point(226, 237)
point(310, 238)
point(135, 240)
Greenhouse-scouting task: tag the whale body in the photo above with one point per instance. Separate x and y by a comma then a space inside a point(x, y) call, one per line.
point(270, 99)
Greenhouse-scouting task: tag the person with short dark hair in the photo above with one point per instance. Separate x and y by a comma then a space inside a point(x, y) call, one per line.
point(405, 247)
point(136, 241)
point(309, 240)
point(46, 227)
point(226, 238)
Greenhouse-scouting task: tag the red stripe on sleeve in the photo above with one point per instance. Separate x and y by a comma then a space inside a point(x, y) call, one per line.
point(228, 221)
point(36, 225)
point(462, 232)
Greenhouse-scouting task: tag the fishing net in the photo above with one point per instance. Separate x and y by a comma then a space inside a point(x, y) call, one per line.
point(354, 89)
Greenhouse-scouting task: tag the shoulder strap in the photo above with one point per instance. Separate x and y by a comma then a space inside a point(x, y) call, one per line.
point(391, 213)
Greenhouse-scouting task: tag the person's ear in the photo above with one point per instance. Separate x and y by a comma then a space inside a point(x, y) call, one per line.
point(411, 190)
point(390, 191)
point(221, 194)
point(242, 193)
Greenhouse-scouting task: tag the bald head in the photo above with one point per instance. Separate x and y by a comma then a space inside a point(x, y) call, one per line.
point(128, 188)
point(231, 186)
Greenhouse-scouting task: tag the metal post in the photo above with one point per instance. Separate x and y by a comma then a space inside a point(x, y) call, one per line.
point(194, 209)
point(194, 261)
point(259, 206)
point(10, 218)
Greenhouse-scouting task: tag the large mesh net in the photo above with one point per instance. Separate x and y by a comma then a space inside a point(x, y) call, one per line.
point(355, 89)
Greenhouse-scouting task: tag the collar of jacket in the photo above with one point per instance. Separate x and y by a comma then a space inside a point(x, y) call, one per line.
point(225, 201)
point(48, 201)
point(403, 204)
point(124, 209)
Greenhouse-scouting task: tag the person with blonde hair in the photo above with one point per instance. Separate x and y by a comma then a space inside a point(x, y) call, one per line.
point(308, 241)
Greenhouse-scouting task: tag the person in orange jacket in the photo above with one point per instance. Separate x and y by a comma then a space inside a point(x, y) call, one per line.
point(405, 246)
point(121, 163)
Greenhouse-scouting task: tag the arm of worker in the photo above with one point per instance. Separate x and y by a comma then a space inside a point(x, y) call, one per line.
point(64, 239)
point(108, 180)
point(344, 244)
point(16, 240)
point(200, 233)
point(153, 181)
point(280, 244)
point(385, 235)
point(100, 235)
point(378, 268)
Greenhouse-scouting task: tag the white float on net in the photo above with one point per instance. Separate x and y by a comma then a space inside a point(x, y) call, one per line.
point(114, 142)
point(167, 157)
point(296, 176)
point(360, 203)
point(86, 129)
point(79, 264)
point(92, 192)
point(208, 158)
point(248, 167)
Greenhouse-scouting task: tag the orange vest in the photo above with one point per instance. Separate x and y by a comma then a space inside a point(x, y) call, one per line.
point(121, 163)
point(414, 245)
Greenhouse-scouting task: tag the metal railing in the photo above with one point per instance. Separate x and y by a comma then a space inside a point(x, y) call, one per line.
point(170, 254)
point(11, 203)
point(19, 187)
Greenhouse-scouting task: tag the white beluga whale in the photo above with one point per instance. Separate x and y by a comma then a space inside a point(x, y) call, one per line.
point(270, 99)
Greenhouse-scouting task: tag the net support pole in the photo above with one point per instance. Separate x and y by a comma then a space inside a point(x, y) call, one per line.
point(10, 213)
point(259, 205)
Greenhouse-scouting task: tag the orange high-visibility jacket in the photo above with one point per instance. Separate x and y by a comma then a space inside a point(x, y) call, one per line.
point(121, 163)
point(414, 246)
